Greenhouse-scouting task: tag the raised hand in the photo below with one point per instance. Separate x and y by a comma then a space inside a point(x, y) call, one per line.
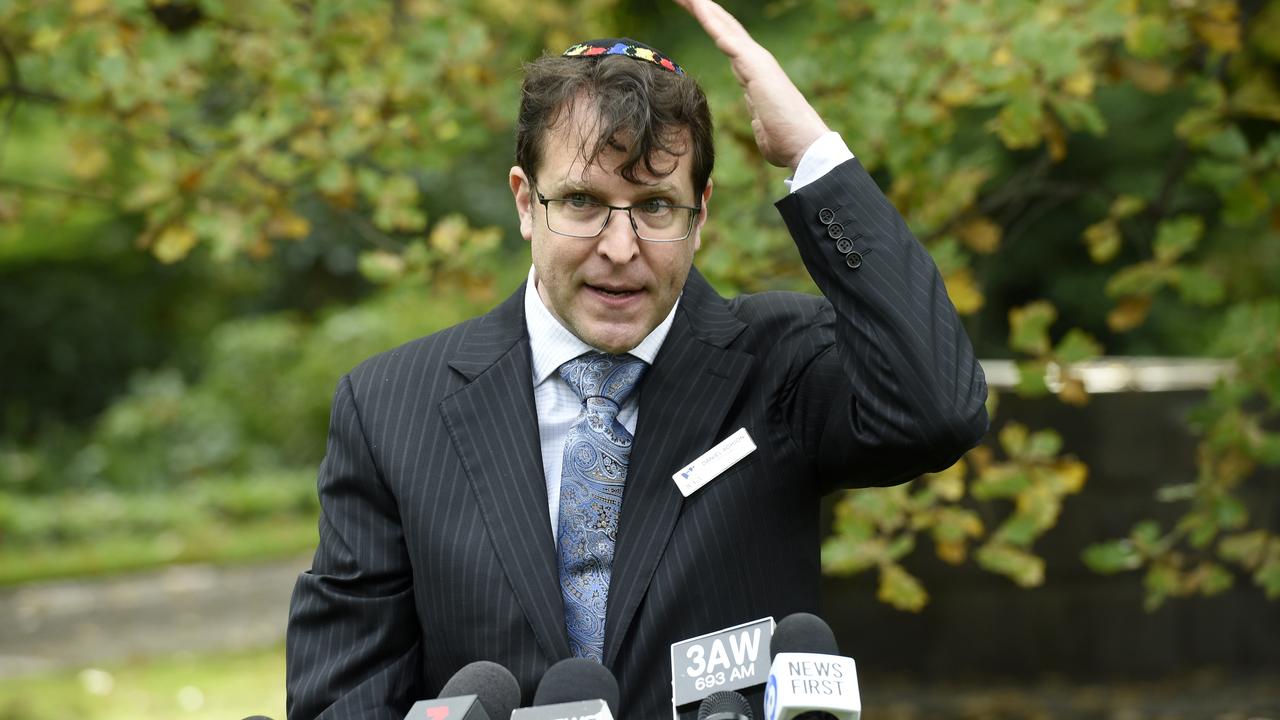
point(784, 122)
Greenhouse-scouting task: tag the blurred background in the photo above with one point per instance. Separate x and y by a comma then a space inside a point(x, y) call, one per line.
point(211, 209)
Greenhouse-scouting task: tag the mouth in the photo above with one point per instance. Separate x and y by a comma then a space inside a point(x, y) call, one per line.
point(614, 293)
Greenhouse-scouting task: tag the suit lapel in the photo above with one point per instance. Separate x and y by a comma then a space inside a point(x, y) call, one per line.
point(493, 424)
point(683, 401)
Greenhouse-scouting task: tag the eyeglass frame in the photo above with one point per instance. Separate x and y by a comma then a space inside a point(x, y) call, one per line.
point(546, 201)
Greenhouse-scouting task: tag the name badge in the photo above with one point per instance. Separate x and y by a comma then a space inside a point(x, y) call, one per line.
point(706, 468)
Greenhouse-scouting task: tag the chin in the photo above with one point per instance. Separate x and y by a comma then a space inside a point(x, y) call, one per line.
point(613, 343)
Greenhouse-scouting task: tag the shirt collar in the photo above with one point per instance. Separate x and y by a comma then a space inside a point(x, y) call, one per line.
point(551, 344)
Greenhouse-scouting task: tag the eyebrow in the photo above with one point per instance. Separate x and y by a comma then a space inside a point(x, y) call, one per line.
point(571, 186)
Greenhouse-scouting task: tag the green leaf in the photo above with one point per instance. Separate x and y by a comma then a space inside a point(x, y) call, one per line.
point(1029, 327)
point(1112, 557)
point(1229, 512)
point(1019, 530)
point(1146, 535)
point(1161, 581)
point(1077, 346)
point(1268, 576)
point(1197, 286)
point(1245, 549)
point(1001, 481)
point(900, 589)
point(1015, 563)
point(1177, 236)
point(1147, 36)
point(1031, 378)
point(1080, 114)
point(1140, 279)
point(1126, 206)
point(1228, 144)
point(1042, 446)
point(1020, 123)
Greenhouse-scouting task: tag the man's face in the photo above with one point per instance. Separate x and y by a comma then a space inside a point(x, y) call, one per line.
point(614, 289)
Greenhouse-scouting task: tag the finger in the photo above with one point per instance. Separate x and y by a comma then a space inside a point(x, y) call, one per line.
point(728, 34)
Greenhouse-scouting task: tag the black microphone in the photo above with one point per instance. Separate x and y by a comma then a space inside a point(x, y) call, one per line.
point(481, 690)
point(725, 705)
point(573, 688)
point(809, 680)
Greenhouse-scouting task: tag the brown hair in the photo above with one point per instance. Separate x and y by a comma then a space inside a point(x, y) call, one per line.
point(642, 108)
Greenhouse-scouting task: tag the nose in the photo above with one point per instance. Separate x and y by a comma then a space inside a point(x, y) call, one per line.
point(618, 241)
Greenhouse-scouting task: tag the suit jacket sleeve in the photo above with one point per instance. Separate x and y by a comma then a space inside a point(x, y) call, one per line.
point(886, 383)
point(353, 642)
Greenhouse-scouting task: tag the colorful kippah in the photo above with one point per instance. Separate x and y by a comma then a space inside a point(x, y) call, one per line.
point(623, 46)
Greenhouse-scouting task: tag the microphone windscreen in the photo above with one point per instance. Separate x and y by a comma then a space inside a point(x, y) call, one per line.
point(803, 633)
point(576, 679)
point(492, 684)
point(725, 705)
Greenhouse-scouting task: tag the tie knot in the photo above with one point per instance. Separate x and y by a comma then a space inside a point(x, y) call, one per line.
point(599, 375)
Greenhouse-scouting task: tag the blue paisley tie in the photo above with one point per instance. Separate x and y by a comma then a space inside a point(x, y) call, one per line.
point(596, 451)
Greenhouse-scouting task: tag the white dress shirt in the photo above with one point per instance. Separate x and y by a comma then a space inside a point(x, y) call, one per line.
point(552, 345)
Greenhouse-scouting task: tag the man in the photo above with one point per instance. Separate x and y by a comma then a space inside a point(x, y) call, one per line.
point(504, 489)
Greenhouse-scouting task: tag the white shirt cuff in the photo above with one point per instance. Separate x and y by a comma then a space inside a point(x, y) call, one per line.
point(821, 158)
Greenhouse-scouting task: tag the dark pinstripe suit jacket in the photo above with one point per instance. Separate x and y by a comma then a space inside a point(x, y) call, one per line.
point(435, 540)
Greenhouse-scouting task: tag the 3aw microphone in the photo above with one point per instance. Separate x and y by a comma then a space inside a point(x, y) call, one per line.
point(808, 679)
point(725, 705)
point(482, 690)
point(573, 689)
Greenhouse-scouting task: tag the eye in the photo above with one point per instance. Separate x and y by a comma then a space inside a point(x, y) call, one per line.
point(580, 200)
point(655, 206)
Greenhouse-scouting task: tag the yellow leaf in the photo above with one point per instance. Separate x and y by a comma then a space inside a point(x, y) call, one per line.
point(1056, 138)
point(1219, 26)
point(88, 158)
point(964, 292)
point(287, 224)
point(1257, 96)
point(1148, 76)
point(900, 589)
point(448, 130)
point(960, 91)
point(952, 553)
point(1080, 83)
point(949, 484)
point(1073, 392)
point(1002, 57)
point(448, 234)
point(1103, 240)
point(173, 244)
point(980, 234)
point(364, 116)
point(1129, 313)
point(1071, 475)
point(88, 7)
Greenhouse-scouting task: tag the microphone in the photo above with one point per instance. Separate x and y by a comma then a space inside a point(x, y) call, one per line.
point(481, 690)
point(573, 689)
point(725, 705)
point(809, 680)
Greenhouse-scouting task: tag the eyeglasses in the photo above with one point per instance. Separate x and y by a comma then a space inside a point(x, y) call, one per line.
point(582, 216)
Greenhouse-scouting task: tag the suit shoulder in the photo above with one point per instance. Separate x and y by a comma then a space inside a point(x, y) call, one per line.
point(422, 361)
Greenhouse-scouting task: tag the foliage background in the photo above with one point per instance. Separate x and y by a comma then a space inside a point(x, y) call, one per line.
point(210, 209)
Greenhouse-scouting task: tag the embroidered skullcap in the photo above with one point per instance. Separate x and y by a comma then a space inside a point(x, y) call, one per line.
point(623, 46)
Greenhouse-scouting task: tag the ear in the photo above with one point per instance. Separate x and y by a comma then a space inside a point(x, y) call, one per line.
point(702, 216)
point(522, 191)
